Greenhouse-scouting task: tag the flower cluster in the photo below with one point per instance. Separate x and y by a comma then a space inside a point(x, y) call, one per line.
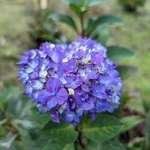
point(71, 81)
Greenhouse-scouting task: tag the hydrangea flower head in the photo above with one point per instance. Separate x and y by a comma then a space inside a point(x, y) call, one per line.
point(71, 81)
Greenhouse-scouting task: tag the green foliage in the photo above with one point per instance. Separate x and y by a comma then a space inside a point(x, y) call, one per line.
point(102, 21)
point(98, 28)
point(37, 140)
point(112, 145)
point(5, 96)
point(40, 119)
point(83, 4)
point(69, 147)
point(76, 9)
point(103, 128)
point(92, 146)
point(117, 54)
point(131, 5)
point(43, 29)
point(95, 28)
point(25, 125)
point(101, 33)
point(7, 141)
point(13, 114)
point(63, 18)
point(126, 71)
point(57, 132)
point(147, 131)
point(33, 139)
point(146, 105)
point(130, 122)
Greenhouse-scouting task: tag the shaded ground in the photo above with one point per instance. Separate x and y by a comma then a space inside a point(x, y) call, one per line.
point(135, 35)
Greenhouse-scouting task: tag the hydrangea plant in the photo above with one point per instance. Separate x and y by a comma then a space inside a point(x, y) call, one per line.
point(76, 84)
point(71, 81)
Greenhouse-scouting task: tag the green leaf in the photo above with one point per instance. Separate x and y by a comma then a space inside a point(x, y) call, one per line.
point(14, 146)
point(125, 99)
point(18, 106)
point(47, 37)
point(3, 132)
point(112, 145)
point(117, 54)
point(147, 129)
point(57, 132)
point(92, 146)
point(81, 4)
point(101, 34)
point(130, 122)
point(40, 119)
point(94, 2)
point(86, 3)
point(126, 71)
point(3, 121)
point(53, 145)
point(89, 24)
point(69, 147)
point(7, 141)
point(146, 105)
point(73, 2)
point(63, 18)
point(75, 8)
point(78, 10)
point(5, 96)
point(103, 128)
point(35, 139)
point(104, 20)
point(109, 19)
point(25, 123)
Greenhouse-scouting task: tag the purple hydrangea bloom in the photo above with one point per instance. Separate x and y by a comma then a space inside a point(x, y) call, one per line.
point(71, 81)
point(54, 94)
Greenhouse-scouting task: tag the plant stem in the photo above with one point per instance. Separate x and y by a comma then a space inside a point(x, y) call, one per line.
point(79, 139)
point(82, 25)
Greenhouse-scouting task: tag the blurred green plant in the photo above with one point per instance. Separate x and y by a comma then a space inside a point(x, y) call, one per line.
point(95, 27)
point(42, 29)
point(17, 118)
point(131, 5)
point(139, 137)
